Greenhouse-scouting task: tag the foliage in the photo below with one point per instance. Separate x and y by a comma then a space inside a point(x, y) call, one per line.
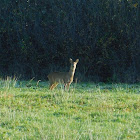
point(37, 37)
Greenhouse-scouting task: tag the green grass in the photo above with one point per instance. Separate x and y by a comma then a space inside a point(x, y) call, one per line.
point(87, 112)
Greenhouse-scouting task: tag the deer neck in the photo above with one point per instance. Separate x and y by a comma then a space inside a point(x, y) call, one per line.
point(71, 72)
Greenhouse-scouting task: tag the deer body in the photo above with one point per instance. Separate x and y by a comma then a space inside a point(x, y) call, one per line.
point(65, 78)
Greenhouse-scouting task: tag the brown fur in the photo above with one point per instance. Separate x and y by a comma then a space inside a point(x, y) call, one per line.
point(65, 78)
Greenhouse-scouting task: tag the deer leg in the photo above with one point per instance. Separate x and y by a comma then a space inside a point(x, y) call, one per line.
point(51, 85)
point(65, 86)
point(54, 85)
point(68, 86)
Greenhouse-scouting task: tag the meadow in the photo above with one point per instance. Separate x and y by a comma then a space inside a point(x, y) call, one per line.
point(88, 111)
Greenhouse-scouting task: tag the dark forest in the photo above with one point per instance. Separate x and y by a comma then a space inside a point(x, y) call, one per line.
point(40, 36)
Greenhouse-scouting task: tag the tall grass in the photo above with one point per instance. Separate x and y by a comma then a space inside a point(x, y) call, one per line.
point(88, 111)
point(8, 83)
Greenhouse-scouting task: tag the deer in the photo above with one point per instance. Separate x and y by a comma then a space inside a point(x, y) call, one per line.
point(65, 78)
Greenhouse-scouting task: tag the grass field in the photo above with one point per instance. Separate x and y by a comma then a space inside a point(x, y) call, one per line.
point(29, 111)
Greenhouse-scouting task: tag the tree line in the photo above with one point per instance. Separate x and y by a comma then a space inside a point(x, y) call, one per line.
point(38, 36)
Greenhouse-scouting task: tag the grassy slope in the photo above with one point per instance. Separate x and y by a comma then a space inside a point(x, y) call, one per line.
point(87, 111)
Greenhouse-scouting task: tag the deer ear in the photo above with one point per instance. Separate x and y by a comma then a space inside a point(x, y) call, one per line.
point(71, 60)
point(77, 60)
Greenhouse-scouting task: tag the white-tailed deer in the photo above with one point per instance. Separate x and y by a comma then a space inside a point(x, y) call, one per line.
point(65, 78)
